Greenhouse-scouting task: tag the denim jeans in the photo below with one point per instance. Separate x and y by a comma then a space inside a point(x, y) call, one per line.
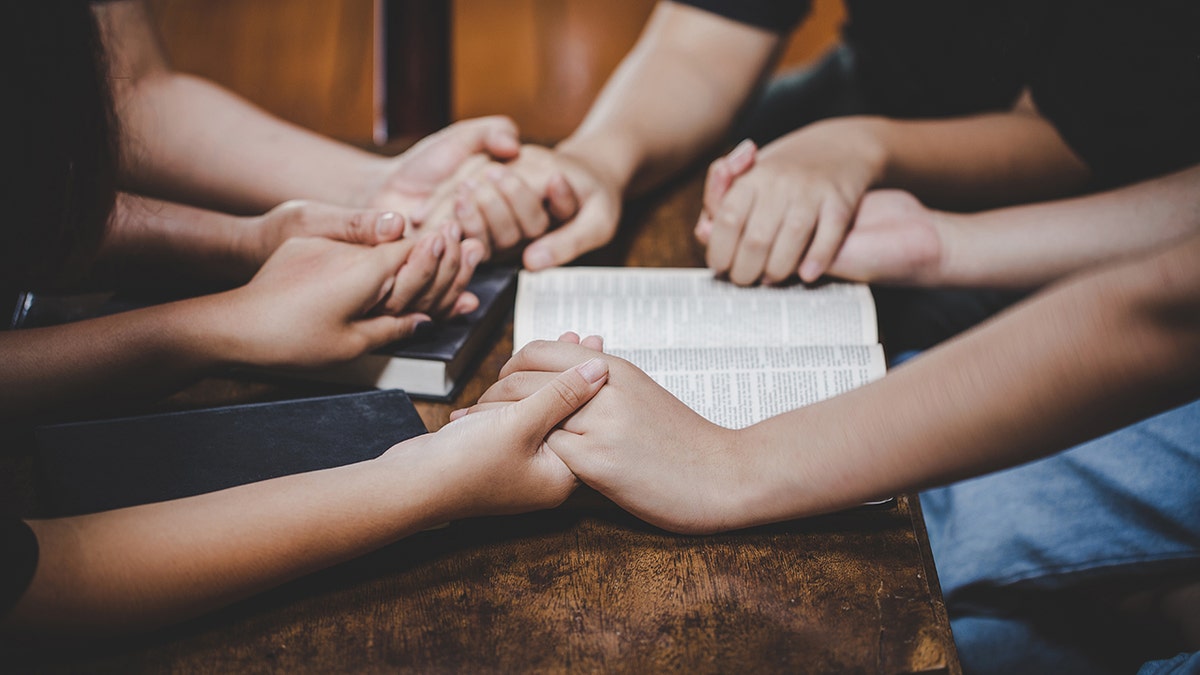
point(1027, 556)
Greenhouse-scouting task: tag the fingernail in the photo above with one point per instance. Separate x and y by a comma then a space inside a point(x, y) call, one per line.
point(455, 414)
point(454, 231)
point(418, 214)
point(537, 258)
point(742, 150)
point(594, 370)
point(495, 173)
point(439, 246)
point(474, 256)
point(388, 225)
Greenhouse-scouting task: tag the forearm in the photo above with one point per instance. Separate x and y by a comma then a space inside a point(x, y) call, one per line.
point(146, 566)
point(148, 238)
point(1083, 359)
point(1027, 246)
point(186, 139)
point(673, 97)
point(144, 350)
point(979, 161)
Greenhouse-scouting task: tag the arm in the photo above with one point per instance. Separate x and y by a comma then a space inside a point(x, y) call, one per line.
point(144, 566)
point(147, 237)
point(1086, 357)
point(669, 101)
point(315, 302)
point(788, 209)
point(186, 139)
point(895, 239)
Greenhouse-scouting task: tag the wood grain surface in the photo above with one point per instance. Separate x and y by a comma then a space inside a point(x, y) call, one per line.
point(584, 588)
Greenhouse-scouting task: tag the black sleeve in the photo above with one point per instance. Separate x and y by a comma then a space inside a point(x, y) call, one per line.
point(776, 15)
point(1122, 86)
point(17, 562)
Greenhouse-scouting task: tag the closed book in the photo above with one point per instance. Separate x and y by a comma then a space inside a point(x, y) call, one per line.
point(436, 361)
point(100, 465)
point(431, 364)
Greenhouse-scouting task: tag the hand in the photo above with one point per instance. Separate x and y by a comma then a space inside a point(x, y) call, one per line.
point(407, 181)
point(316, 301)
point(634, 442)
point(500, 457)
point(790, 209)
point(505, 205)
point(894, 240)
point(300, 218)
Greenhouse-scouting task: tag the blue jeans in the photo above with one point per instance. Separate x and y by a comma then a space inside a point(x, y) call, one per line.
point(1026, 556)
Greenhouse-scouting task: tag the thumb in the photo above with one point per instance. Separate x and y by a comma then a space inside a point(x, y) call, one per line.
point(495, 135)
point(382, 329)
point(561, 201)
point(558, 398)
point(589, 230)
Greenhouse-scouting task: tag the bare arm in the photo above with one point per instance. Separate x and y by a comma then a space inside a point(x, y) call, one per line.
point(315, 302)
point(1085, 357)
point(673, 96)
point(895, 239)
point(144, 566)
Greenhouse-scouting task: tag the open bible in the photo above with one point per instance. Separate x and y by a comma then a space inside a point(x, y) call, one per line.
point(735, 355)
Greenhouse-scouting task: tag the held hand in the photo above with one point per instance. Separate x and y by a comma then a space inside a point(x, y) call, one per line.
point(407, 181)
point(314, 302)
point(500, 457)
point(634, 442)
point(505, 205)
point(788, 213)
point(300, 218)
point(894, 240)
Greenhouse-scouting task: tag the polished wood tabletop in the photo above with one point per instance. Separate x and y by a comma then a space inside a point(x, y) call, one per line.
point(583, 588)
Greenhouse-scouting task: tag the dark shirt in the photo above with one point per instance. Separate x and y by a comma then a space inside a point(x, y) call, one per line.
point(18, 560)
point(1119, 80)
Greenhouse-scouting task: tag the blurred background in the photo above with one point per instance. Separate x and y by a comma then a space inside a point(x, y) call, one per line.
point(367, 70)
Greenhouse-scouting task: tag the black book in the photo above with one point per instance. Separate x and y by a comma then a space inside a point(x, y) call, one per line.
point(432, 364)
point(108, 464)
point(435, 362)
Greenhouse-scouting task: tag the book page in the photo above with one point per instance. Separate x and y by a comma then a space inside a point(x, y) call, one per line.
point(643, 308)
point(739, 386)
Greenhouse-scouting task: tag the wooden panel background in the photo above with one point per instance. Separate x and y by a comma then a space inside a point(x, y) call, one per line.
point(311, 61)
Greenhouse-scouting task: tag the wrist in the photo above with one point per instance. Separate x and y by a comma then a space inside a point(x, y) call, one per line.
point(867, 139)
point(612, 157)
point(954, 265)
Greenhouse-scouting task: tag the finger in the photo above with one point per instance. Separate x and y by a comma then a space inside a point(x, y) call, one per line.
point(741, 159)
point(477, 408)
point(704, 228)
point(727, 228)
point(831, 231)
point(448, 269)
point(794, 234)
point(762, 227)
point(469, 218)
point(453, 302)
point(517, 386)
point(368, 227)
point(498, 216)
point(523, 202)
point(495, 135)
point(545, 355)
point(594, 342)
point(562, 396)
point(561, 201)
point(569, 336)
point(416, 272)
point(590, 230)
point(381, 329)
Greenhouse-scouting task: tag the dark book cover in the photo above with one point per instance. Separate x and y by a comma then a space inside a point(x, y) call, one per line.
point(447, 340)
point(108, 464)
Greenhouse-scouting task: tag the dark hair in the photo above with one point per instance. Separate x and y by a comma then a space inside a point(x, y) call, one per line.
point(60, 142)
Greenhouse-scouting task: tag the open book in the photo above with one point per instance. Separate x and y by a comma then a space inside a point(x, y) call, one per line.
point(735, 355)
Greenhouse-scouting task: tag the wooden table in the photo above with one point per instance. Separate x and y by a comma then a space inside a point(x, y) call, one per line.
point(583, 588)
